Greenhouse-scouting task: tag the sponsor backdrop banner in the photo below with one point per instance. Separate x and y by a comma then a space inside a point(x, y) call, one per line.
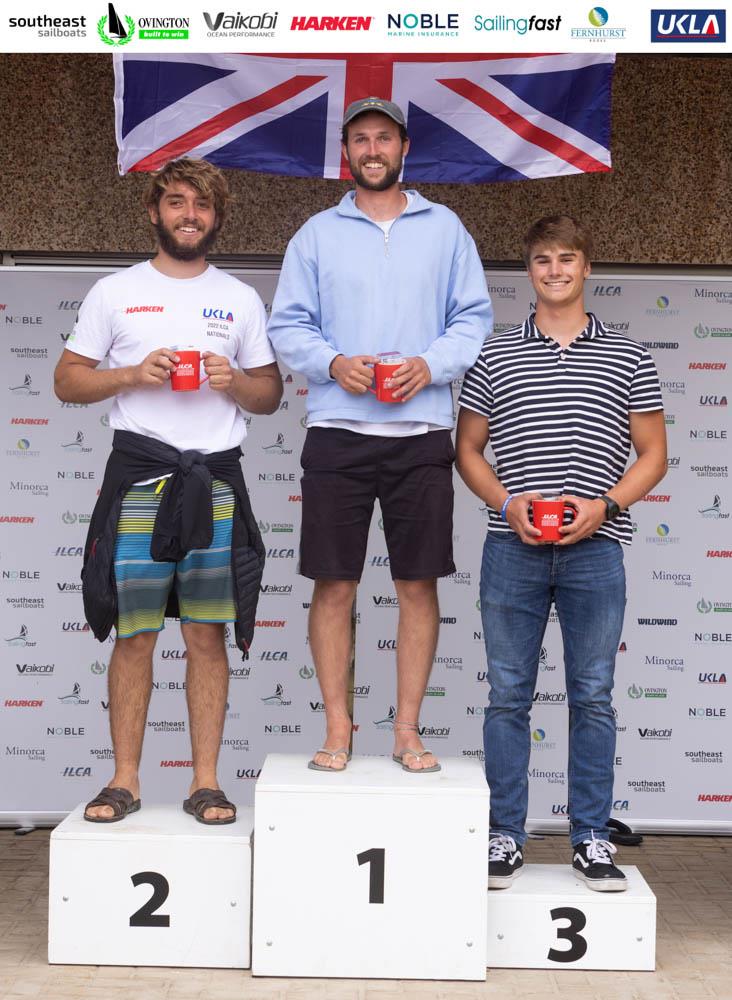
point(126, 26)
point(671, 697)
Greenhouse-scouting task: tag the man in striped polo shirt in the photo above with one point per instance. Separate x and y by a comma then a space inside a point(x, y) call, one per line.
point(561, 399)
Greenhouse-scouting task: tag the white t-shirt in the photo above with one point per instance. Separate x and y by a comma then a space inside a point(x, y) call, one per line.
point(394, 428)
point(128, 314)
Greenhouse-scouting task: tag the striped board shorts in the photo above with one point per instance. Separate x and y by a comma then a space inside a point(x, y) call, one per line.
point(202, 579)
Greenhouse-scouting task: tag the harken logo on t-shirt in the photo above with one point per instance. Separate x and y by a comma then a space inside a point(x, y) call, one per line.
point(224, 314)
point(145, 309)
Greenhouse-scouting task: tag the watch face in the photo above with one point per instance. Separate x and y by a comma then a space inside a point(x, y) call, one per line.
point(612, 508)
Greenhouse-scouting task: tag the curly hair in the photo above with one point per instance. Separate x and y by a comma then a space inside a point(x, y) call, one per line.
point(201, 175)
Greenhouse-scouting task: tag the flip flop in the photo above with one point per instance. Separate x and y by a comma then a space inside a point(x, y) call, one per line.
point(398, 758)
point(120, 799)
point(209, 798)
point(332, 754)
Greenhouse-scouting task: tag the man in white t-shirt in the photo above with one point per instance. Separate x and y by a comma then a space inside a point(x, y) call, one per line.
point(177, 454)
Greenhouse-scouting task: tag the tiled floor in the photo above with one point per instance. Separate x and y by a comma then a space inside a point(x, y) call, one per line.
point(691, 876)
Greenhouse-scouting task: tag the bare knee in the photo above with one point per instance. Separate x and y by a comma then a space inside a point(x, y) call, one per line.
point(204, 639)
point(416, 592)
point(136, 648)
point(334, 595)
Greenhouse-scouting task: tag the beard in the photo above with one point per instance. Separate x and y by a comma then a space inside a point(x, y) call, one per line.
point(191, 251)
point(390, 178)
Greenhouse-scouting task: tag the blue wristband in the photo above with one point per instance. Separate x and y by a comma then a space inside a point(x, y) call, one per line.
point(504, 508)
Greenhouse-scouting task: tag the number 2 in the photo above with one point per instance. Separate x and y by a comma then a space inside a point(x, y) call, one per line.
point(577, 921)
point(375, 858)
point(146, 915)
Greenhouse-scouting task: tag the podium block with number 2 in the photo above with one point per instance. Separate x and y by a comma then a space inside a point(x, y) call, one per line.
point(370, 873)
point(157, 888)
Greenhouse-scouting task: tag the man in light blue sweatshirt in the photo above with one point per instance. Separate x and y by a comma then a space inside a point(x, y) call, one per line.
point(383, 271)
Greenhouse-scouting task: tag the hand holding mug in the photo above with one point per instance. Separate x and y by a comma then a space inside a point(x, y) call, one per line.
point(590, 515)
point(410, 378)
point(517, 517)
point(355, 375)
point(156, 368)
point(219, 371)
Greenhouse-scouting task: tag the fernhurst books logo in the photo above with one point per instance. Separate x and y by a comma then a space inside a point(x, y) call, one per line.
point(684, 25)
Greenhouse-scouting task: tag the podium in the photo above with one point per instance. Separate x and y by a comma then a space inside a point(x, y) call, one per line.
point(157, 888)
point(370, 872)
point(549, 919)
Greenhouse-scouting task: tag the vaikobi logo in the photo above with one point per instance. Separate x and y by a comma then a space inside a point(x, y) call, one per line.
point(240, 25)
point(112, 30)
point(688, 25)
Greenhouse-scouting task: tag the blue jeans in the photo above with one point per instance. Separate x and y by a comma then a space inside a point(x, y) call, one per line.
point(518, 583)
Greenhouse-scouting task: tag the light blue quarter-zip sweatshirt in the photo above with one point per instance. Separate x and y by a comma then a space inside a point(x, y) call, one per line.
point(346, 288)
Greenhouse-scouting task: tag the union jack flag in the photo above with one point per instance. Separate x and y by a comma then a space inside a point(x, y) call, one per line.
point(471, 118)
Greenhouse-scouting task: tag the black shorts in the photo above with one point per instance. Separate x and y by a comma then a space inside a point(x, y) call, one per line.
point(344, 472)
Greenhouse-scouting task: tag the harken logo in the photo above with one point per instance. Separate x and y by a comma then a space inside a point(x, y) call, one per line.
point(331, 24)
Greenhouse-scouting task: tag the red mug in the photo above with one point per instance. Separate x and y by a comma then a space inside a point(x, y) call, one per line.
point(548, 517)
point(383, 372)
point(186, 375)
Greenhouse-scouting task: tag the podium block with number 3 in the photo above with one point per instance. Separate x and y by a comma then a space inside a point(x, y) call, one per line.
point(549, 919)
point(157, 888)
point(370, 873)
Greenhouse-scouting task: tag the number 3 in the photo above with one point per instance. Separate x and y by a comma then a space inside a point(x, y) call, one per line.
point(577, 921)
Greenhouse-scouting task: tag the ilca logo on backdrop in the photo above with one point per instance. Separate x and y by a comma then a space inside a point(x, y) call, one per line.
point(685, 25)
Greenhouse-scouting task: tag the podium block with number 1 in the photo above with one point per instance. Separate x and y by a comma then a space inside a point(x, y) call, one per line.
point(370, 873)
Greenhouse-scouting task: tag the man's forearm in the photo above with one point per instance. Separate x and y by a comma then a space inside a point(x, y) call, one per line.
point(256, 393)
point(480, 478)
point(80, 384)
point(646, 472)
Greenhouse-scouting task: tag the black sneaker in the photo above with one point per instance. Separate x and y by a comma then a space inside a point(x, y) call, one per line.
point(505, 861)
point(592, 862)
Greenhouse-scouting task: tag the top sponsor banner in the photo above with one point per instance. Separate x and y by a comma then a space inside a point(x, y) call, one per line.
point(212, 26)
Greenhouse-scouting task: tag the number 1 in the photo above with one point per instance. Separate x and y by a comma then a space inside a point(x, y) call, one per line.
point(376, 859)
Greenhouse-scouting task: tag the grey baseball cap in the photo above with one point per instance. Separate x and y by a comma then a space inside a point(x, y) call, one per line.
point(388, 108)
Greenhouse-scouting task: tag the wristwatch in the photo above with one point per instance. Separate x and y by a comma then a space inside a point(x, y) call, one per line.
point(613, 508)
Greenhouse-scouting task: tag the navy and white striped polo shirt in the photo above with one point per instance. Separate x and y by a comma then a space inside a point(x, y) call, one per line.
point(559, 418)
